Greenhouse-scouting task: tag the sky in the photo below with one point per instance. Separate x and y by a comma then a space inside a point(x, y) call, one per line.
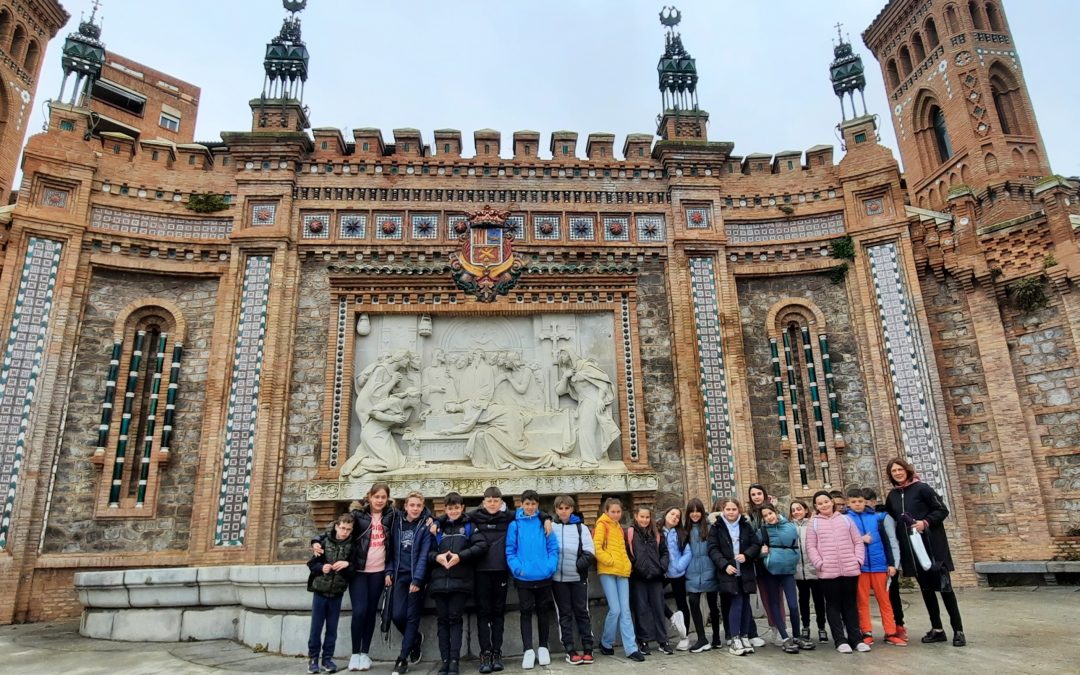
point(580, 65)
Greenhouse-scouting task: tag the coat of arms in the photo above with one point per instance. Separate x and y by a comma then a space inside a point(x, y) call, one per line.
point(485, 266)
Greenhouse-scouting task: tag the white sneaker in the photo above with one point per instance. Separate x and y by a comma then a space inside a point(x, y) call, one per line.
point(678, 622)
point(528, 660)
point(778, 640)
point(747, 645)
point(683, 646)
point(756, 642)
point(844, 648)
point(862, 647)
point(365, 662)
point(543, 656)
point(354, 662)
point(736, 647)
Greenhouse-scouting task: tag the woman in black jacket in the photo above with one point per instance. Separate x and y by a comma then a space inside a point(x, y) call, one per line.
point(915, 505)
point(648, 553)
point(733, 549)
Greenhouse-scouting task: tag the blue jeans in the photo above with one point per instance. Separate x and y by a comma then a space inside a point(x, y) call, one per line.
point(741, 618)
point(324, 611)
point(783, 584)
point(364, 593)
point(406, 609)
point(617, 594)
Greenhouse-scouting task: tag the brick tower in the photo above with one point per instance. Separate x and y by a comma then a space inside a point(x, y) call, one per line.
point(959, 103)
point(25, 30)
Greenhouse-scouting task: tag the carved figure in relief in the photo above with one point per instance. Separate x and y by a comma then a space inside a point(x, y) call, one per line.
point(586, 382)
point(497, 436)
point(475, 376)
point(376, 381)
point(439, 387)
point(379, 450)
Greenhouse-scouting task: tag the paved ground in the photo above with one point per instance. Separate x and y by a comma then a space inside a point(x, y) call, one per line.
point(1009, 630)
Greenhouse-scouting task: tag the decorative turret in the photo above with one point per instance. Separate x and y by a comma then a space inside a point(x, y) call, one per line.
point(847, 75)
point(83, 56)
point(677, 72)
point(281, 104)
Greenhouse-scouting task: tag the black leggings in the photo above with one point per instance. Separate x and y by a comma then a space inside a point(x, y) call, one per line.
point(714, 614)
point(894, 600)
point(678, 590)
point(811, 588)
point(929, 584)
point(842, 607)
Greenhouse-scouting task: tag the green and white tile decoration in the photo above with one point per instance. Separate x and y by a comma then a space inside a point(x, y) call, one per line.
point(170, 400)
point(109, 396)
point(339, 383)
point(815, 403)
point(713, 383)
point(907, 368)
point(151, 420)
point(241, 419)
point(628, 376)
point(22, 364)
point(796, 416)
point(120, 460)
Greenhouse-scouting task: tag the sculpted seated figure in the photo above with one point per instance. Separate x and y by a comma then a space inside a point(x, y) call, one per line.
point(497, 436)
point(378, 450)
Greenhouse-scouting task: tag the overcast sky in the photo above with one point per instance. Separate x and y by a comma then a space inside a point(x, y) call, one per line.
point(584, 66)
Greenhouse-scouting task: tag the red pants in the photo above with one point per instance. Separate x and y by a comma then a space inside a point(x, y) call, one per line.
point(878, 582)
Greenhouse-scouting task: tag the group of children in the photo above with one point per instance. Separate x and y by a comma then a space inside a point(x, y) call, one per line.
point(835, 556)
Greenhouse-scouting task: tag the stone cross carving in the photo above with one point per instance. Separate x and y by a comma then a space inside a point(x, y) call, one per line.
point(552, 333)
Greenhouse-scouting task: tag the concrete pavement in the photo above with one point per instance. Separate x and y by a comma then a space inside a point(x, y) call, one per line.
point(1032, 630)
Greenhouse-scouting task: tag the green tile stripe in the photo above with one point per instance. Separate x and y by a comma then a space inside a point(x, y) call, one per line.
point(781, 413)
point(150, 419)
point(339, 382)
point(243, 407)
point(119, 462)
point(170, 399)
point(109, 397)
point(23, 355)
point(815, 401)
point(830, 386)
point(796, 418)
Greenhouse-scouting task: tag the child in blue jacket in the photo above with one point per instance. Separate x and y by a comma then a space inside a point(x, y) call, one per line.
point(532, 554)
point(678, 561)
point(780, 556)
point(412, 544)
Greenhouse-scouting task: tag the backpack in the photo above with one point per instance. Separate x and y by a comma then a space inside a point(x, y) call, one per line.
point(630, 541)
point(585, 560)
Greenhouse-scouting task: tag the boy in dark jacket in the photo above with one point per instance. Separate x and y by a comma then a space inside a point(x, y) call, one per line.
point(457, 547)
point(412, 545)
point(648, 562)
point(331, 572)
point(491, 521)
point(532, 555)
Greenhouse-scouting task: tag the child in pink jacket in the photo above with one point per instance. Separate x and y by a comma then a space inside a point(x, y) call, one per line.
point(837, 552)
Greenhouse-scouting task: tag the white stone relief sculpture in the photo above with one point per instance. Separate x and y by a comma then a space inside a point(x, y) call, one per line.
point(492, 394)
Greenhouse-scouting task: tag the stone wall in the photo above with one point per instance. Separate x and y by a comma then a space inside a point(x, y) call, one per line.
point(757, 295)
point(305, 421)
point(72, 527)
point(1048, 378)
point(655, 340)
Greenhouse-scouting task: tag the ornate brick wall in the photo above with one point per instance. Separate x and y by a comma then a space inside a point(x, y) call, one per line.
point(72, 526)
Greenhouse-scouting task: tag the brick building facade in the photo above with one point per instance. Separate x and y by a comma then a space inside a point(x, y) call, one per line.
point(178, 318)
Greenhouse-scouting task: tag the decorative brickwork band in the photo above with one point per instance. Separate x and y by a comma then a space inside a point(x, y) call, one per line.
point(907, 367)
point(796, 418)
point(22, 364)
point(151, 420)
point(830, 390)
point(713, 384)
point(339, 382)
point(778, 382)
point(134, 365)
point(240, 421)
point(170, 400)
point(108, 398)
point(815, 402)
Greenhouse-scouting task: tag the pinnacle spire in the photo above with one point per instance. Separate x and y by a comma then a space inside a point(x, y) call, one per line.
point(83, 56)
point(677, 70)
point(847, 75)
point(286, 62)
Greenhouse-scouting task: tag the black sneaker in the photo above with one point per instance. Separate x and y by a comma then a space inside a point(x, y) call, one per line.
point(717, 642)
point(700, 646)
point(607, 651)
point(637, 656)
point(401, 666)
point(496, 661)
point(934, 635)
point(485, 662)
point(643, 647)
point(328, 665)
point(665, 648)
point(805, 634)
point(822, 636)
point(414, 653)
point(454, 669)
point(444, 668)
point(958, 639)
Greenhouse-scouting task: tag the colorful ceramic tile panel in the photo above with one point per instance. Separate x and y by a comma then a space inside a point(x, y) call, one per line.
point(339, 382)
point(156, 225)
point(388, 226)
point(546, 227)
point(752, 231)
point(698, 218)
point(582, 228)
point(454, 224)
point(516, 224)
point(263, 215)
point(317, 226)
point(425, 226)
point(628, 378)
point(352, 225)
point(713, 382)
point(907, 367)
point(22, 364)
point(54, 198)
point(240, 421)
point(650, 228)
point(616, 228)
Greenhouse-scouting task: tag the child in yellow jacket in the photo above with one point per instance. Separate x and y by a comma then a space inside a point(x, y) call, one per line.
point(613, 568)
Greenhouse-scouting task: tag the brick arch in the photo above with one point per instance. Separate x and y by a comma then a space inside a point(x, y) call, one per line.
point(991, 163)
point(143, 309)
point(18, 42)
point(952, 19)
point(931, 130)
point(777, 317)
point(994, 18)
point(930, 28)
point(30, 61)
point(1008, 98)
point(6, 23)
